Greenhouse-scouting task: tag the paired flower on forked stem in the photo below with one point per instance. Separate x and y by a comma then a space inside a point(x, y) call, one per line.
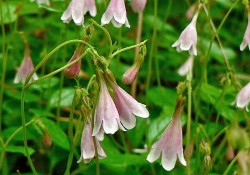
point(77, 9)
point(169, 146)
point(246, 38)
point(127, 106)
point(25, 68)
point(243, 97)
point(111, 115)
point(106, 118)
point(88, 147)
point(116, 13)
point(188, 38)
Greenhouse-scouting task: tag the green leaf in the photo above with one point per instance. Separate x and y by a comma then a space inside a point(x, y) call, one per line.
point(217, 54)
point(59, 138)
point(209, 93)
point(161, 96)
point(66, 97)
point(8, 12)
point(158, 125)
point(18, 149)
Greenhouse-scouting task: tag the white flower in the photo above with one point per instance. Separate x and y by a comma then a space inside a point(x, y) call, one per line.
point(186, 67)
point(243, 97)
point(188, 38)
point(77, 9)
point(87, 146)
point(246, 39)
point(116, 13)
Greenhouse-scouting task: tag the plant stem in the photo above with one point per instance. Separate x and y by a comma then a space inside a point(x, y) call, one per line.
point(71, 136)
point(189, 78)
point(231, 164)
point(127, 48)
point(152, 47)
point(46, 58)
point(4, 56)
point(56, 71)
point(107, 34)
point(96, 158)
point(4, 145)
point(24, 132)
point(137, 49)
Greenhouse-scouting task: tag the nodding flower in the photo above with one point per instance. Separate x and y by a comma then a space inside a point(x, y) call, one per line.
point(77, 9)
point(243, 97)
point(246, 38)
point(116, 13)
point(169, 146)
point(25, 68)
point(188, 38)
point(87, 145)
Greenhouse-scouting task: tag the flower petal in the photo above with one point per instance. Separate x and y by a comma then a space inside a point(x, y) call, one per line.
point(154, 153)
point(168, 159)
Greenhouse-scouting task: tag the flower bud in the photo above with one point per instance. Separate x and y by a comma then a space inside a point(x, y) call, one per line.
point(230, 152)
point(138, 5)
point(207, 162)
point(130, 75)
point(47, 139)
point(205, 148)
point(73, 70)
point(238, 137)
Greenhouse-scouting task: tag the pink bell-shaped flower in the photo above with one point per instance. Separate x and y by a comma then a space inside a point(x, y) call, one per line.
point(188, 38)
point(243, 97)
point(87, 146)
point(106, 118)
point(77, 9)
point(138, 5)
point(169, 146)
point(25, 68)
point(128, 107)
point(116, 13)
point(186, 67)
point(246, 38)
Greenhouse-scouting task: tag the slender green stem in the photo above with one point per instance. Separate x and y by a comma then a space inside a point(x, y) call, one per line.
point(52, 52)
point(107, 34)
point(127, 48)
point(188, 137)
point(219, 134)
point(71, 137)
point(231, 164)
point(4, 145)
point(152, 48)
point(96, 158)
point(137, 49)
point(218, 150)
point(24, 132)
point(4, 56)
point(91, 81)
point(57, 71)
